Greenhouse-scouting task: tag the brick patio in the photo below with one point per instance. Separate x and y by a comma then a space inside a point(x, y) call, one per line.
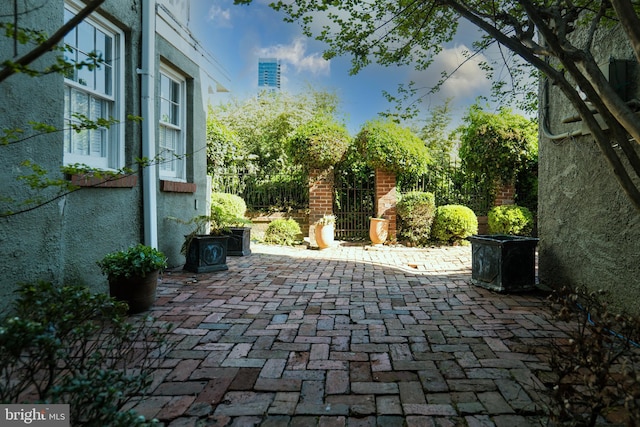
point(348, 336)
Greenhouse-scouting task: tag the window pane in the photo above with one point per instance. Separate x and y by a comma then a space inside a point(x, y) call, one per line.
point(80, 103)
point(86, 42)
point(98, 136)
point(85, 76)
point(67, 116)
point(81, 143)
point(175, 99)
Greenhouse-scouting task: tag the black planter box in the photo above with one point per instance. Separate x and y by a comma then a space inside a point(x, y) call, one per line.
point(503, 263)
point(239, 241)
point(207, 253)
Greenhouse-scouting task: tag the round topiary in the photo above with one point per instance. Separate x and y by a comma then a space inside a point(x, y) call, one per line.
point(231, 205)
point(454, 223)
point(282, 232)
point(319, 144)
point(416, 210)
point(510, 219)
point(386, 145)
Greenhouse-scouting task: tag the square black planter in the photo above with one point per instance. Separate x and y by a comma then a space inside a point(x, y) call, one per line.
point(207, 253)
point(239, 241)
point(503, 263)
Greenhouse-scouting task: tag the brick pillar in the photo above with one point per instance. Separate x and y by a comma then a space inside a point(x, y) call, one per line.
point(386, 198)
point(320, 198)
point(505, 194)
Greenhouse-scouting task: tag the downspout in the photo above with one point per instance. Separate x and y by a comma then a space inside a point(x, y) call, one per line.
point(149, 174)
point(545, 120)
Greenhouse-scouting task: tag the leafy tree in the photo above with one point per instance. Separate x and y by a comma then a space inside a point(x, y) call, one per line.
point(435, 133)
point(495, 147)
point(556, 38)
point(223, 146)
point(263, 124)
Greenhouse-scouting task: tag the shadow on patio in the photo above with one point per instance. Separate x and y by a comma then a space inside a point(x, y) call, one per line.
point(349, 336)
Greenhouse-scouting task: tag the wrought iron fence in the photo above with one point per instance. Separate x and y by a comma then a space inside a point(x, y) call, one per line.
point(282, 191)
point(450, 185)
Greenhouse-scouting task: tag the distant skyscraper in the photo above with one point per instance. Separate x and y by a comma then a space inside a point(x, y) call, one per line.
point(268, 74)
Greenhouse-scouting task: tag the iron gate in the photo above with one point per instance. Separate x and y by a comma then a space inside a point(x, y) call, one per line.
point(354, 202)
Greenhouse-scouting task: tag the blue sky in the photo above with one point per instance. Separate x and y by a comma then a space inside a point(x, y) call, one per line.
point(238, 35)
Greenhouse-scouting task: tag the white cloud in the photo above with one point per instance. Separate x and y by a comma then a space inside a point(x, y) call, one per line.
point(295, 54)
point(468, 79)
point(219, 16)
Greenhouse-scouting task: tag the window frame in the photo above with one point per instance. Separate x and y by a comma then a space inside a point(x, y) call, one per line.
point(181, 162)
point(115, 133)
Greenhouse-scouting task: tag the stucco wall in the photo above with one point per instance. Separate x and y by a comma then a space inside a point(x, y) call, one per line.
point(29, 242)
point(589, 231)
point(61, 241)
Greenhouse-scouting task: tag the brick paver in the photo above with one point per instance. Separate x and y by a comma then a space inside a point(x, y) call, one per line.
point(348, 336)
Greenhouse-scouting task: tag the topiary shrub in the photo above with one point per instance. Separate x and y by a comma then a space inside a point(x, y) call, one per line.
point(416, 210)
point(454, 223)
point(510, 219)
point(319, 144)
point(386, 145)
point(282, 232)
point(231, 205)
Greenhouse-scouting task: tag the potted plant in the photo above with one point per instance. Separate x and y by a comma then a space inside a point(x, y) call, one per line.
point(205, 248)
point(505, 260)
point(325, 231)
point(227, 216)
point(133, 275)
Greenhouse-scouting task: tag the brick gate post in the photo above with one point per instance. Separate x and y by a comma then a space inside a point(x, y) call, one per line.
point(386, 198)
point(320, 198)
point(505, 194)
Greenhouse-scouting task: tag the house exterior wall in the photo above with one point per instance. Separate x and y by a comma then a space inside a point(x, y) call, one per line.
point(179, 204)
point(62, 240)
point(589, 231)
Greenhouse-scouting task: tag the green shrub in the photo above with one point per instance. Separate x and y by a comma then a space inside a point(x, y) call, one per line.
point(386, 145)
point(320, 143)
point(510, 219)
point(231, 205)
point(64, 344)
point(453, 223)
point(282, 232)
point(416, 210)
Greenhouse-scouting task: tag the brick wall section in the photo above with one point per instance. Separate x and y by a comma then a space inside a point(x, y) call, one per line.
point(177, 187)
point(320, 197)
point(505, 195)
point(386, 198)
point(118, 181)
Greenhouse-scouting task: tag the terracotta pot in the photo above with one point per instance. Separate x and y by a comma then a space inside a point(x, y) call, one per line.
point(378, 230)
point(324, 235)
point(138, 292)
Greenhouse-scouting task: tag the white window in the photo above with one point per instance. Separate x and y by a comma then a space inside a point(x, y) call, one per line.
point(93, 92)
point(171, 132)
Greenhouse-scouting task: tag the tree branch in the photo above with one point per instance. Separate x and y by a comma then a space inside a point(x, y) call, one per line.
point(50, 43)
point(630, 23)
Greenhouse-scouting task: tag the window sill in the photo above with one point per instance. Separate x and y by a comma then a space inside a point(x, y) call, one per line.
point(118, 181)
point(177, 186)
